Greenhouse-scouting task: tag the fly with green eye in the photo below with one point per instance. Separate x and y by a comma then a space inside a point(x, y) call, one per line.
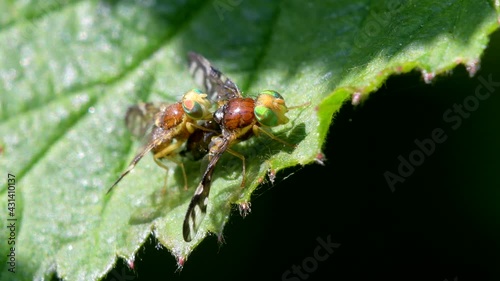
point(166, 128)
point(239, 119)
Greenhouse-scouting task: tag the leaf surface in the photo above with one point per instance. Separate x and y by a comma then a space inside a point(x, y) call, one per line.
point(70, 69)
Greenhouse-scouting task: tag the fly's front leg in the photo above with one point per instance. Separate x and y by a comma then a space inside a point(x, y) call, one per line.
point(159, 163)
point(256, 130)
point(166, 153)
point(243, 161)
point(191, 127)
point(183, 172)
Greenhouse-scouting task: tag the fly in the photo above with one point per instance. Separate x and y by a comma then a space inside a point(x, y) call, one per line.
point(166, 128)
point(239, 119)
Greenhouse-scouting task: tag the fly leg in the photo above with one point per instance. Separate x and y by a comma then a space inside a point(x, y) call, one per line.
point(243, 161)
point(191, 127)
point(167, 152)
point(159, 163)
point(257, 130)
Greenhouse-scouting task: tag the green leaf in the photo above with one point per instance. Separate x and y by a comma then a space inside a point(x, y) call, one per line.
point(70, 69)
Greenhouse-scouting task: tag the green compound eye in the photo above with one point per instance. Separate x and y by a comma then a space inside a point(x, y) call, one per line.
point(195, 104)
point(270, 109)
point(196, 90)
point(193, 109)
point(266, 116)
point(272, 93)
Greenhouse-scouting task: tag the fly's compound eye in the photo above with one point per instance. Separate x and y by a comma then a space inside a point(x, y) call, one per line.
point(266, 116)
point(272, 93)
point(197, 91)
point(193, 109)
point(195, 104)
point(270, 109)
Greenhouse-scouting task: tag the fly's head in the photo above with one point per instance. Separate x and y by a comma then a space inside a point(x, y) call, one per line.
point(196, 105)
point(270, 109)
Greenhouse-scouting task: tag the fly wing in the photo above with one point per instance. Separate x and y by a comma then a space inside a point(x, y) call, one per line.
point(140, 120)
point(216, 85)
point(140, 117)
point(198, 206)
point(131, 166)
point(154, 138)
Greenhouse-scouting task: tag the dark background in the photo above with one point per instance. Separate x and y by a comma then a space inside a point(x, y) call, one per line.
point(441, 223)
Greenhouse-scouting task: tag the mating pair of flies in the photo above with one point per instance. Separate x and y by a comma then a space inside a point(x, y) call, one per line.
point(191, 122)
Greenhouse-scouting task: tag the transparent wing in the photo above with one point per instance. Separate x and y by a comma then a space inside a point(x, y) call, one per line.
point(217, 86)
point(140, 120)
point(143, 150)
point(140, 117)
